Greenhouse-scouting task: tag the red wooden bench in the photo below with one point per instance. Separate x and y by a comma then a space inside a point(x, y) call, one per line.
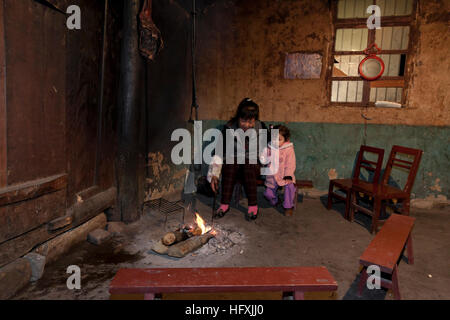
point(385, 251)
point(214, 280)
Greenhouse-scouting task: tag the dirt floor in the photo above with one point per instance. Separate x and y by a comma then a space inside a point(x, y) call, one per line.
point(313, 236)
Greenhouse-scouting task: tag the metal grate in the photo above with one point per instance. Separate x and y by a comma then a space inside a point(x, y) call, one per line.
point(165, 207)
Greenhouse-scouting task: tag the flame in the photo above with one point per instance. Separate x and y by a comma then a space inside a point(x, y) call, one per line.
point(201, 224)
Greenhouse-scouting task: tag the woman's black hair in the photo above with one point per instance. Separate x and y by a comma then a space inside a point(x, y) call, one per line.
point(247, 109)
point(284, 131)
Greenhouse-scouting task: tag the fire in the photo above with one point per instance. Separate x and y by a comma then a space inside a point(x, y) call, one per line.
point(201, 224)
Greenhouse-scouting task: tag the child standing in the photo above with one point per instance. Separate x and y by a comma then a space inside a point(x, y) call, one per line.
point(284, 176)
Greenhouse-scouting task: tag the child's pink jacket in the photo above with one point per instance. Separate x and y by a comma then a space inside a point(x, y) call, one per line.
point(286, 166)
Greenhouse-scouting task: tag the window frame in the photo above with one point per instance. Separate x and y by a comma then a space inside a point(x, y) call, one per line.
point(386, 21)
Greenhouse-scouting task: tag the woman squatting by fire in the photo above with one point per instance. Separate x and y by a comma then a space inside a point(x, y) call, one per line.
point(247, 173)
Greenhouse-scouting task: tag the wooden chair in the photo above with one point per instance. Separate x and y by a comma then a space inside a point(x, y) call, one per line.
point(384, 191)
point(345, 185)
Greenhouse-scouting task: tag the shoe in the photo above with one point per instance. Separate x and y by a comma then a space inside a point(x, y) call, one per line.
point(220, 213)
point(251, 215)
point(289, 212)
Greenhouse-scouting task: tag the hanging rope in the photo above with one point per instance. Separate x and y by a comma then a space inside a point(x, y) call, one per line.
point(193, 47)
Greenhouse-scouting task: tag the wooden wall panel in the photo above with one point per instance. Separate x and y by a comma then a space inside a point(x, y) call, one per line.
point(107, 150)
point(35, 55)
point(3, 161)
point(83, 96)
point(21, 217)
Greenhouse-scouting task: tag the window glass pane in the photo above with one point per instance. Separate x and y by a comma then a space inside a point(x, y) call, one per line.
point(386, 94)
point(395, 7)
point(392, 38)
point(353, 9)
point(392, 64)
point(399, 95)
point(348, 9)
point(351, 39)
point(346, 91)
point(347, 65)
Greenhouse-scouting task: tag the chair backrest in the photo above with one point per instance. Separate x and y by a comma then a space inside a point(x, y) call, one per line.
point(373, 166)
point(411, 166)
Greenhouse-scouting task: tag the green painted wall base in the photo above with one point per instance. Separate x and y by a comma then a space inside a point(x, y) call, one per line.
point(322, 147)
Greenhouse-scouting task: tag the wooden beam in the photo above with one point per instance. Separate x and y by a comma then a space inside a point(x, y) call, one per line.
point(129, 115)
point(19, 218)
point(32, 189)
point(3, 145)
point(83, 211)
point(362, 22)
point(79, 213)
point(387, 84)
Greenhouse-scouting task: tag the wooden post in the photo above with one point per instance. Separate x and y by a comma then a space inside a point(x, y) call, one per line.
point(127, 166)
point(3, 161)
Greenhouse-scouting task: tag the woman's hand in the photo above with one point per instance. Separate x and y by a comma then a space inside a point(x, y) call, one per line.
point(214, 184)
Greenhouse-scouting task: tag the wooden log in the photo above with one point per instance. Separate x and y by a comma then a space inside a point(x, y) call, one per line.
point(160, 248)
point(197, 232)
point(173, 237)
point(59, 223)
point(14, 277)
point(89, 208)
point(80, 213)
point(181, 249)
point(58, 246)
point(168, 238)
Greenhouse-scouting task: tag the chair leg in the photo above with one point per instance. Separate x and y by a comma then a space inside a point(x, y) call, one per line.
point(330, 195)
point(409, 247)
point(362, 280)
point(376, 214)
point(406, 206)
point(395, 287)
point(347, 204)
point(353, 202)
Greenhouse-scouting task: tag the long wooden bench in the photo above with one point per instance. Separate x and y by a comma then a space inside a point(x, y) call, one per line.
point(214, 280)
point(386, 249)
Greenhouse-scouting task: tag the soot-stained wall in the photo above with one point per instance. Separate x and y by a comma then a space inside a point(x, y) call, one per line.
point(242, 47)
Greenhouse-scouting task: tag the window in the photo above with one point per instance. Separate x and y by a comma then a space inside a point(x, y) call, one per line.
point(352, 37)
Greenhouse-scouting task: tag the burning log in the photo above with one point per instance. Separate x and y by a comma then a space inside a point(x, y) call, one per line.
point(196, 231)
point(174, 237)
point(181, 249)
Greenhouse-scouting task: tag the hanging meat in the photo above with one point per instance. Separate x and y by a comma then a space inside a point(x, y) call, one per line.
point(150, 41)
